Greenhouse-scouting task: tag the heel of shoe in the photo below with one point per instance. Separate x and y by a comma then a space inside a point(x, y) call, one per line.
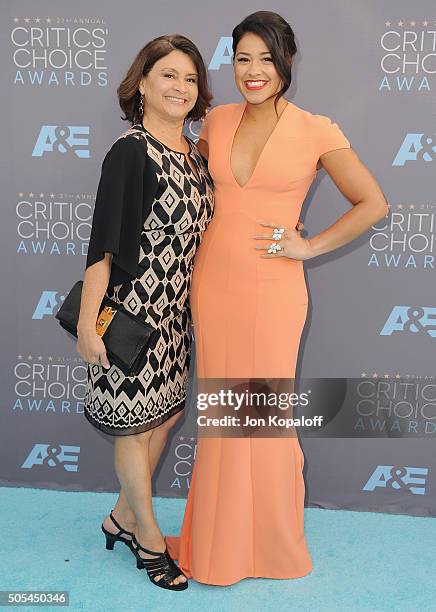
point(110, 539)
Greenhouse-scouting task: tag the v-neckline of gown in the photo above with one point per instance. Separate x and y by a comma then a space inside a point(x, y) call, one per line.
point(242, 108)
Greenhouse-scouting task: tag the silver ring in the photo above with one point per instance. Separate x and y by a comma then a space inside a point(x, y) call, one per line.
point(278, 233)
point(274, 247)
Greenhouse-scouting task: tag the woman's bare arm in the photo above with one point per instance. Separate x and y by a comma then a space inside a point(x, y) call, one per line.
point(357, 184)
point(90, 346)
point(95, 282)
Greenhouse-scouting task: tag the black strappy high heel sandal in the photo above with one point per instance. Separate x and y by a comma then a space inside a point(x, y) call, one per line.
point(111, 538)
point(162, 564)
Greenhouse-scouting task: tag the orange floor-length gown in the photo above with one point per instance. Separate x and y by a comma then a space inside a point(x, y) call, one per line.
point(245, 509)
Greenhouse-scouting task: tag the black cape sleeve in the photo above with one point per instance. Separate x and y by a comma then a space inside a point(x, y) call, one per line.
point(124, 196)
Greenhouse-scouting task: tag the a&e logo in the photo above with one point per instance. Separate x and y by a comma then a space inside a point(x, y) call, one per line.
point(62, 139)
point(415, 319)
point(222, 54)
point(416, 147)
point(53, 456)
point(398, 477)
point(46, 304)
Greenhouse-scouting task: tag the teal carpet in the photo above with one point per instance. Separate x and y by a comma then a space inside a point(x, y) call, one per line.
point(51, 540)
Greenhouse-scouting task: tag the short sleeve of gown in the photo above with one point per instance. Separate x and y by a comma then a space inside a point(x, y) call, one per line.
point(330, 136)
point(117, 219)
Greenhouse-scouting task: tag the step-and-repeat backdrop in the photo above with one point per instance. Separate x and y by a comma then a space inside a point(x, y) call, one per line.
point(371, 67)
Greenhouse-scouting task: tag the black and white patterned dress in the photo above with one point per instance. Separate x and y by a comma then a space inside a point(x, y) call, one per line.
point(172, 231)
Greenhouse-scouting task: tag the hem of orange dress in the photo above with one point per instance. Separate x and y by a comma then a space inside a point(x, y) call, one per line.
point(234, 581)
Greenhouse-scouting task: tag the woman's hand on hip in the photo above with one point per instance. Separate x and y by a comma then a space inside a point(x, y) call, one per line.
point(284, 242)
point(91, 348)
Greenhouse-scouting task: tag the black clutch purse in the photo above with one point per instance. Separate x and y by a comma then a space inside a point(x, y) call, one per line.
point(125, 336)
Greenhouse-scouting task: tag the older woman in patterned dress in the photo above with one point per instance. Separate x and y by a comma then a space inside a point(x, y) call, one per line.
point(154, 202)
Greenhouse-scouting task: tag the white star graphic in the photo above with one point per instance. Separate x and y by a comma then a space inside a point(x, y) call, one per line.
point(31, 195)
point(401, 23)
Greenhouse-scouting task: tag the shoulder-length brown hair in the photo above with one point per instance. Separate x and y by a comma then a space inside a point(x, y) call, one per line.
point(128, 91)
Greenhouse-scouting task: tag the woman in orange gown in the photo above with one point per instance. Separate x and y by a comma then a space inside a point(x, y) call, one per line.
point(245, 509)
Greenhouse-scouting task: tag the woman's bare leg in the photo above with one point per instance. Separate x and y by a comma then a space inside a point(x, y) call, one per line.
point(122, 511)
point(159, 439)
point(132, 464)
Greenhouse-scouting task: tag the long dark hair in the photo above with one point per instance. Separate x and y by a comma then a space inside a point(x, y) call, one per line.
point(278, 36)
point(128, 91)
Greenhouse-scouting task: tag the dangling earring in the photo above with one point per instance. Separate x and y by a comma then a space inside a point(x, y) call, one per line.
point(141, 106)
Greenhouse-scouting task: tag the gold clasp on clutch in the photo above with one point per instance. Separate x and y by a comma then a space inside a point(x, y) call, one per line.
point(104, 319)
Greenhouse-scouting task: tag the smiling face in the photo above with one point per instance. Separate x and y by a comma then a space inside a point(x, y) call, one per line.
point(170, 88)
point(256, 76)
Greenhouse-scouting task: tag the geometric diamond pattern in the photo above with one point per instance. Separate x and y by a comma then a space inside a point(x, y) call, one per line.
point(170, 238)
